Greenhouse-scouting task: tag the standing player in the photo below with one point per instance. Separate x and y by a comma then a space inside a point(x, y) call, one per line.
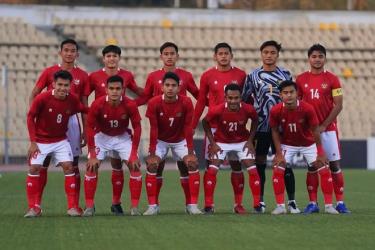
point(154, 86)
point(322, 90)
point(107, 131)
point(231, 136)
point(98, 85)
point(170, 117)
point(212, 85)
point(47, 122)
point(80, 87)
point(261, 88)
point(295, 130)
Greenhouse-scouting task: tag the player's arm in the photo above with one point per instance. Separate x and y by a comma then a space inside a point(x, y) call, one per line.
point(337, 107)
point(279, 159)
point(187, 125)
point(146, 94)
point(92, 123)
point(253, 128)
point(248, 89)
point(312, 121)
point(201, 102)
point(84, 102)
point(41, 83)
point(135, 120)
point(151, 113)
point(31, 126)
point(192, 87)
point(134, 87)
point(214, 149)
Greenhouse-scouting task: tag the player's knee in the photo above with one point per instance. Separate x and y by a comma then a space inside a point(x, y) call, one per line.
point(152, 168)
point(192, 166)
point(67, 167)
point(334, 166)
point(34, 169)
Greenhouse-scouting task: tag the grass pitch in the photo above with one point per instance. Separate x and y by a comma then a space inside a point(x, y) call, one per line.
point(173, 229)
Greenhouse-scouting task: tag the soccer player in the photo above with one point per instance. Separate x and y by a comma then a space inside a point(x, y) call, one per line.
point(107, 131)
point(154, 86)
point(170, 118)
point(231, 135)
point(261, 88)
point(322, 90)
point(79, 87)
point(47, 122)
point(212, 85)
point(295, 130)
point(98, 84)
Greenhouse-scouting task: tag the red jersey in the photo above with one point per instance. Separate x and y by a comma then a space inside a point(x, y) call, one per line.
point(98, 81)
point(112, 120)
point(295, 125)
point(79, 86)
point(47, 119)
point(154, 84)
point(170, 122)
point(231, 124)
point(212, 85)
point(319, 90)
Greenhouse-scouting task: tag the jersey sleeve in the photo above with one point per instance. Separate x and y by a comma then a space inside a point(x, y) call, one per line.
point(91, 125)
point(42, 81)
point(151, 114)
point(147, 93)
point(248, 89)
point(202, 99)
point(252, 113)
point(299, 87)
point(336, 86)
point(188, 119)
point(192, 87)
point(274, 120)
point(311, 116)
point(31, 115)
point(132, 85)
point(86, 91)
point(212, 113)
point(135, 119)
point(91, 83)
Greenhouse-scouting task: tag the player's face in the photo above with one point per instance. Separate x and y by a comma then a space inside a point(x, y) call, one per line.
point(169, 57)
point(114, 91)
point(223, 57)
point(289, 95)
point(170, 88)
point(269, 55)
point(111, 60)
point(317, 60)
point(62, 88)
point(69, 53)
point(233, 98)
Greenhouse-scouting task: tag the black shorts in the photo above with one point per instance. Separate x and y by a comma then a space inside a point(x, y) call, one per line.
point(263, 141)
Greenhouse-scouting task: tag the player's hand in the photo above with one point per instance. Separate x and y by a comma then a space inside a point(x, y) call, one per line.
point(33, 150)
point(321, 128)
point(92, 165)
point(213, 150)
point(134, 163)
point(153, 160)
point(279, 160)
point(321, 160)
point(190, 160)
point(83, 139)
point(249, 146)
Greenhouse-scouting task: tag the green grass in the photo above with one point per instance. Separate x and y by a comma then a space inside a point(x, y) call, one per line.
point(173, 229)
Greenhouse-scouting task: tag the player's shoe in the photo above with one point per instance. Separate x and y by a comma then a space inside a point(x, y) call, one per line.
point(89, 211)
point(311, 208)
point(117, 209)
point(329, 209)
point(193, 209)
point(33, 212)
point(209, 210)
point(261, 208)
point(74, 212)
point(280, 209)
point(239, 209)
point(152, 210)
point(292, 207)
point(342, 209)
point(134, 211)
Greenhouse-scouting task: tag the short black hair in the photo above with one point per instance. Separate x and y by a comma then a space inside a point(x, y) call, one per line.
point(171, 75)
point(317, 47)
point(111, 48)
point(115, 78)
point(222, 45)
point(69, 41)
point(271, 43)
point(287, 83)
point(232, 87)
point(166, 45)
point(62, 74)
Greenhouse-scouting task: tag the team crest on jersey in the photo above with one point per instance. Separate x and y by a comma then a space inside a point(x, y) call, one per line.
point(306, 85)
point(76, 81)
point(124, 116)
point(105, 115)
point(179, 114)
point(103, 84)
point(234, 82)
point(161, 114)
point(282, 120)
point(160, 81)
point(324, 85)
point(215, 82)
point(50, 110)
point(224, 122)
point(68, 112)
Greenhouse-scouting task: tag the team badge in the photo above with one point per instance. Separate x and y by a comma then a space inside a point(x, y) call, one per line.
point(76, 81)
point(306, 85)
point(105, 115)
point(124, 116)
point(179, 114)
point(50, 110)
point(68, 112)
point(324, 85)
point(215, 82)
point(282, 120)
point(234, 82)
point(161, 114)
point(160, 81)
point(103, 84)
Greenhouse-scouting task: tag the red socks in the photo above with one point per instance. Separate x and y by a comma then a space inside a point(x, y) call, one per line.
point(117, 185)
point(43, 180)
point(326, 184)
point(151, 188)
point(90, 183)
point(135, 186)
point(278, 184)
point(159, 184)
point(70, 190)
point(194, 183)
point(254, 183)
point(312, 183)
point(338, 185)
point(238, 180)
point(33, 190)
point(184, 180)
point(209, 185)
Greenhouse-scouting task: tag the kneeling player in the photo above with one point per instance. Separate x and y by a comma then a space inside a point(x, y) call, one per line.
point(109, 118)
point(231, 136)
point(47, 122)
point(295, 130)
point(170, 117)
